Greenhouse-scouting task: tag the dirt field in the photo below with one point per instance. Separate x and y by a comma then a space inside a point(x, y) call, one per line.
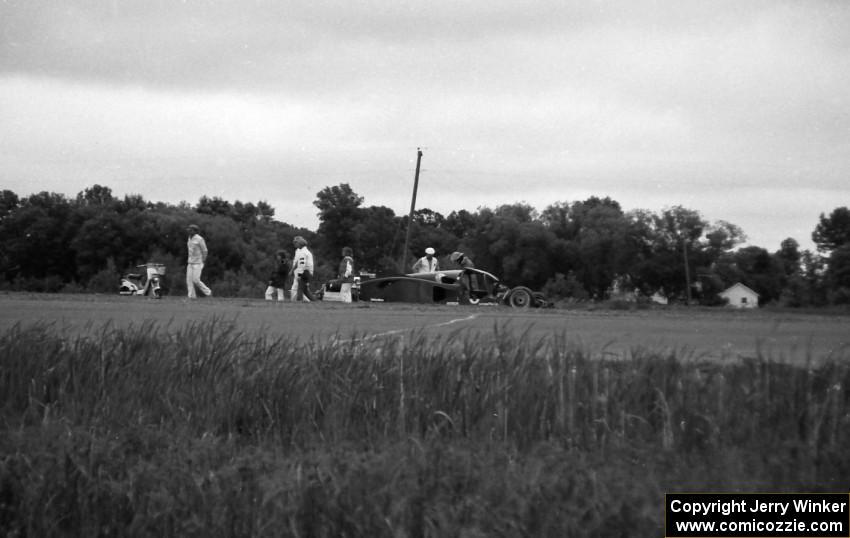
point(715, 333)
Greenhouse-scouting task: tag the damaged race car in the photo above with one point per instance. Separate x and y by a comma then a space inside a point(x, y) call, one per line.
point(444, 287)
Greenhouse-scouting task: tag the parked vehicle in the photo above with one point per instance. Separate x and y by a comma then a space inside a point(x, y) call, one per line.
point(150, 283)
point(444, 287)
point(330, 290)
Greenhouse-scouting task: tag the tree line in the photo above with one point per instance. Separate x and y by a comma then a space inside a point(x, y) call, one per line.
point(582, 250)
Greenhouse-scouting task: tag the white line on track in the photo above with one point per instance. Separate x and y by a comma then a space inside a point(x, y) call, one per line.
point(399, 331)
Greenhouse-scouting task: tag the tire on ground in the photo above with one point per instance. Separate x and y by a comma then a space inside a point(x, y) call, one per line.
point(520, 297)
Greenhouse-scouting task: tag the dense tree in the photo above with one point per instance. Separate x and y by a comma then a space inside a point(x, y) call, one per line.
point(96, 195)
point(833, 231)
point(9, 201)
point(213, 206)
point(428, 217)
point(132, 202)
point(601, 240)
point(574, 248)
point(677, 226)
point(265, 212)
point(677, 248)
point(101, 237)
point(518, 250)
point(376, 234)
point(37, 236)
point(838, 274)
point(722, 237)
point(557, 217)
point(814, 278)
point(476, 237)
point(789, 257)
point(521, 212)
point(461, 223)
point(339, 214)
point(430, 229)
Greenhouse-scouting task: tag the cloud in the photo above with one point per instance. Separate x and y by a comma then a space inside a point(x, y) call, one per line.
point(655, 104)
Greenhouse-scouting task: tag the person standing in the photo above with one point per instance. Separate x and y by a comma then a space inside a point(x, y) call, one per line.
point(278, 277)
point(464, 279)
point(197, 249)
point(427, 263)
point(346, 274)
point(302, 269)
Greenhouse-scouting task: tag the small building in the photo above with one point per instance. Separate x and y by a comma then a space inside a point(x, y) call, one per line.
point(740, 296)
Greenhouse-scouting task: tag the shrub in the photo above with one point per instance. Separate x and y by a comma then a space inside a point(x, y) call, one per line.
point(565, 286)
point(238, 284)
point(106, 280)
point(840, 296)
point(73, 287)
point(49, 284)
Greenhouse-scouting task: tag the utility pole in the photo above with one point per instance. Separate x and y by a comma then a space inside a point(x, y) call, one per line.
point(687, 269)
point(403, 263)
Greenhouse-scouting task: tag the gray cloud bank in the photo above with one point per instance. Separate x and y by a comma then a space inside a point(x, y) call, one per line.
point(739, 110)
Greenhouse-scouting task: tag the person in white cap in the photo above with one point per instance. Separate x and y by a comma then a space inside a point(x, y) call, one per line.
point(427, 263)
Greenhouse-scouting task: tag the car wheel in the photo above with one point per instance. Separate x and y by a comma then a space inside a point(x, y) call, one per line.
point(520, 297)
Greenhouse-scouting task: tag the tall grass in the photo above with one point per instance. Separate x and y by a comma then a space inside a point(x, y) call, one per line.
point(203, 430)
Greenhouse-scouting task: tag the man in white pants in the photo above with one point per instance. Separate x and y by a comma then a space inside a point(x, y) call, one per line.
point(302, 269)
point(197, 248)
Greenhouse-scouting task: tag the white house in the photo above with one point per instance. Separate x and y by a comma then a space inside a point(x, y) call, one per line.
point(740, 296)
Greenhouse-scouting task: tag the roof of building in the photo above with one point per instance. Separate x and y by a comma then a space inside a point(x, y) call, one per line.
point(741, 286)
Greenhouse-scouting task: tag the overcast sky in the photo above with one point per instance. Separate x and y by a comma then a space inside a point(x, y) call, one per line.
point(738, 109)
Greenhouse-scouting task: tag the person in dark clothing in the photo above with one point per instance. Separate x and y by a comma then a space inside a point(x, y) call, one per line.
point(464, 262)
point(279, 276)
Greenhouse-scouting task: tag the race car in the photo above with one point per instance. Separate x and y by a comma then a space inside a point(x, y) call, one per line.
point(444, 287)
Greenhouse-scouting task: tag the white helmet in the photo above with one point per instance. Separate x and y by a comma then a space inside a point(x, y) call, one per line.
point(430, 251)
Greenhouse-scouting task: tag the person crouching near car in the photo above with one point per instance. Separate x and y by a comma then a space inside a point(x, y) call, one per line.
point(279, 276)
point(463, 261)
point(346, 274)
point(302, 268)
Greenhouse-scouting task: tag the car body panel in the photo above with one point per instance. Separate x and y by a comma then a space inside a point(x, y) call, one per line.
point(437, 287)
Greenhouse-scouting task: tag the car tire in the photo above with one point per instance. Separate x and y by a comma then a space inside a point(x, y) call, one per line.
point(520, 297)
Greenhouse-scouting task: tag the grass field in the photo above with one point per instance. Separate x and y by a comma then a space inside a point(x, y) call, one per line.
point(123, 417)
point(714, 333)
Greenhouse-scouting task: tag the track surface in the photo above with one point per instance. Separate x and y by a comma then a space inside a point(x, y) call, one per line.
point(714, 333)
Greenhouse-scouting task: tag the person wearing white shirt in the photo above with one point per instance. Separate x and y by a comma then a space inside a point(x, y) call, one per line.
point(346, 274)
point(302, 268)
point(197, 248)
point(427, 263)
